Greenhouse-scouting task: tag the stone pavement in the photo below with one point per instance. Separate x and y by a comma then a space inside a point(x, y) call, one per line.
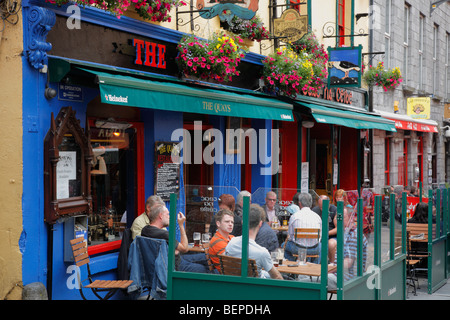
point(442, 293)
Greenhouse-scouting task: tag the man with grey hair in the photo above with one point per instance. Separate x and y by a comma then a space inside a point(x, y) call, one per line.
point(255, 251)
point(303, 218)
point(142, 220)
point(240, 201)
point(159, 221)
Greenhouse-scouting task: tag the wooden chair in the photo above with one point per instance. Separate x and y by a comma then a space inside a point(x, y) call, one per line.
point(411, 262)
point(232, 266)
point(81, 257)
point(307, 233)
point(211, 264)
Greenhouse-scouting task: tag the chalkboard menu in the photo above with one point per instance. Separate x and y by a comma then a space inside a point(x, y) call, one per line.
point(167, 169)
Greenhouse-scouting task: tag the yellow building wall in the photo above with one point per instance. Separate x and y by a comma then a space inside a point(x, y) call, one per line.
point(11, 182)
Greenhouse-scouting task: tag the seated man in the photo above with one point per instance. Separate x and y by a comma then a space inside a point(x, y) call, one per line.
point(226, 201)
point(142, 220)
point(303, 218)
point(255, 251)
point(159, 220)
point(224, 220)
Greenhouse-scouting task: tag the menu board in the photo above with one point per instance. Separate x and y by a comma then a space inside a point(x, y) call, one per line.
point(167, 169)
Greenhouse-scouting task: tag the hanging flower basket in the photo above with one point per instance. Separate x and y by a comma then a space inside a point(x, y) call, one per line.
point(156, 10)
point(252, 29)
point(378, 76)
point(317, 55)
point(287, 73)
point(152, 10)
point(217, 58)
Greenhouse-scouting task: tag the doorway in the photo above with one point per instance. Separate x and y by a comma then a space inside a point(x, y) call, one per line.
point(321, 167)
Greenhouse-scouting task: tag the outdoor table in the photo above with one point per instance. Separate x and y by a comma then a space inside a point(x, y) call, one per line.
point(280, 228)
point(200, 248)
point(309, 269)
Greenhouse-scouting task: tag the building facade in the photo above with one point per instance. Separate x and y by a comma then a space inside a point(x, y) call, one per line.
point(412, 36)
point(100, 103)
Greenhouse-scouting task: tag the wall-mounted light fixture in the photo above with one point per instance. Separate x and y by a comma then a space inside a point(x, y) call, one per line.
point(308, 124)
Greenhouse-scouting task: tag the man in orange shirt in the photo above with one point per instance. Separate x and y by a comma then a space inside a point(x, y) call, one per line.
point(225, 222)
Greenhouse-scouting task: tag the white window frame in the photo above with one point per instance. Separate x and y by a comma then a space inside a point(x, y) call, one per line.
point(387, 34)
point(447, 68)
point(406, 27)
point(435, 62)
point(421, 47)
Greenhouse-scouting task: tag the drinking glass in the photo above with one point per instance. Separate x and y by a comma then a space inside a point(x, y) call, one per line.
point(301, 256)
point(274, 256)
point(205, 238)
point(197, 239)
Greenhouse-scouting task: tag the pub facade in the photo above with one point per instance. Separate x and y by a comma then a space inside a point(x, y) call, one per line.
point(111, 121)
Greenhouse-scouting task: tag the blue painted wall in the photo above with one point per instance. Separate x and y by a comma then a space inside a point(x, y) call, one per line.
point(37, 110)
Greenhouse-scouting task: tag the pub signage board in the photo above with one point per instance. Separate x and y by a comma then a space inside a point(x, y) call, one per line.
point(291, 26)
point(344, 66)
point(167, 169)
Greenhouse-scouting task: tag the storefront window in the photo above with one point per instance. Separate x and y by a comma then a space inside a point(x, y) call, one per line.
point(111, 176)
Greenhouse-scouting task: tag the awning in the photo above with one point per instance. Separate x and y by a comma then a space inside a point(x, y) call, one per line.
point(405, 122)
point(347, 118)
point(145, 93)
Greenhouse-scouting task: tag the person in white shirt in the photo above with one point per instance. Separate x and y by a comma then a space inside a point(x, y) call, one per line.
point(255, 251)
point(303, 217)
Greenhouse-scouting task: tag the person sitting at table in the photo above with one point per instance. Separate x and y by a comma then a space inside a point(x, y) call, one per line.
point(224, 222)
point(261, 255)
point(332, 229)
point(240, 201)
point(271, 208)
point(303, 218)
point(350, 250)
point(159, 221)
point(142, 220)
point(267, 237)
point(420, 216)
point(226, 201)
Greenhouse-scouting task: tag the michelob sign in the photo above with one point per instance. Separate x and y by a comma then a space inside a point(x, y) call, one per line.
point(418, 108)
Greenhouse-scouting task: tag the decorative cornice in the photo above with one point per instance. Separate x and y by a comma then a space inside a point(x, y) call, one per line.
point(40, 21)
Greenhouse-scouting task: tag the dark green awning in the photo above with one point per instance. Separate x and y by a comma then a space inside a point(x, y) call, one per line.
point(349, 118)
point(145, 93)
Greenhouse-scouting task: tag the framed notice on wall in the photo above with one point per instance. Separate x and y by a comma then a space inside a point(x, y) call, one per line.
point(167, 169)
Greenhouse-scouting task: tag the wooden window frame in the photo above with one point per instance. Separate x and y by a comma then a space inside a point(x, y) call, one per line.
point(54, 208)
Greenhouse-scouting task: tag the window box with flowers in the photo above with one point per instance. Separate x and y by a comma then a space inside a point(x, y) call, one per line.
point(215, 59)
point(378, 76)
point(152, 10)
point(252, 29)
point(287, 73)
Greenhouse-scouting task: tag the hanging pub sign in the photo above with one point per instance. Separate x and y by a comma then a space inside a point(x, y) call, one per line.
point(167, 169)
point(227, 9)
point(344, 66)
point(291, 26)
point(418, 108)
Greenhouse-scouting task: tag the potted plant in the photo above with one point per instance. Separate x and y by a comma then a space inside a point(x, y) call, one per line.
point(378, 76)
point(216, 58)
point(252, 29)
point(287, 73)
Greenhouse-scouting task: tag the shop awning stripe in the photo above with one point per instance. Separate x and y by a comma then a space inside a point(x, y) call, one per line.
point(348, 118)
point(136, 92)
